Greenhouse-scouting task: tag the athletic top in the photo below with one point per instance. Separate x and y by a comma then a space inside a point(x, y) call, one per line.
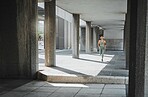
point(102, 43)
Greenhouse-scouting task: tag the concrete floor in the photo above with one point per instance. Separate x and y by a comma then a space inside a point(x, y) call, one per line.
point(26, 88)
point(86, 68)
point(88, 64)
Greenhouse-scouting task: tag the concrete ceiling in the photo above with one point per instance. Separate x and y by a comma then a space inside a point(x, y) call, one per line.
point(109, 14)
point(106, 13)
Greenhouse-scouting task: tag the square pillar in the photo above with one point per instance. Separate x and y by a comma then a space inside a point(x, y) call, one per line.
point(127, 39)
point(66, 34)
point(27, 37)
point(18, 39)
point(50, 32)
point(127, 35)
point(75, 36)
point(146, 57)
point(146, 62)
point(95, 39)
point(69, 35)
point(88, 37)
point(82, 38)
point(138, 14)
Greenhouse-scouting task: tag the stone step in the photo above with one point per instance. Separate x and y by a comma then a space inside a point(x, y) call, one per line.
point(82, 79)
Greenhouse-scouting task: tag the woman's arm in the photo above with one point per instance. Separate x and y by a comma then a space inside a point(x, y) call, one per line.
point(98, 43)
point(105, 44)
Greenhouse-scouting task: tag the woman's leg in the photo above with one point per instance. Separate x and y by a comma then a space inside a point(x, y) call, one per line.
point(103, 50)
point(100, 50)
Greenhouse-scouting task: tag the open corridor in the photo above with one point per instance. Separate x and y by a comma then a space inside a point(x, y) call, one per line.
point(49, 48)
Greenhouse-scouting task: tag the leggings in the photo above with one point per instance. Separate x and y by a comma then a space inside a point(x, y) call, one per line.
point(101, 51)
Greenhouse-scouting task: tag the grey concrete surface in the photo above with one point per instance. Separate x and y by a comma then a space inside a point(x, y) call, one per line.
point(75, 35)
point(18, 51)
point(50, 32)
point(26, 88)
point(87, 69)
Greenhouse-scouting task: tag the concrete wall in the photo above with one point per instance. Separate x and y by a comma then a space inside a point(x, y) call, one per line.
point(114, 39)
point(63, 14)
point(63, 33)
point(64, 29)
point(60, 34)
point(8, 40)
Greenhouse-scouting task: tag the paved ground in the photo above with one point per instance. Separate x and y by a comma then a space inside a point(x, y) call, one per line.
point(26, 88)
point(87, 64)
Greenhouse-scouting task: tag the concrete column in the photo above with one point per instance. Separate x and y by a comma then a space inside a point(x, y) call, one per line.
point(69, 35)
point(137, 47)
point(50, 33)
point(91, 39)
point(95, 40)
point(146, 58)
point(82, 39)
point(18, 39)
point(124, 41)
point(88, 37)
point(28, 49)
point(75, 40)
point(98, 33)
point(65, 34)
point(146, 63)
point(101, 32)
point(127, 38)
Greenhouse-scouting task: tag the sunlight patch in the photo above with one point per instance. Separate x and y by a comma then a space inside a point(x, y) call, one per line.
point(68, 85)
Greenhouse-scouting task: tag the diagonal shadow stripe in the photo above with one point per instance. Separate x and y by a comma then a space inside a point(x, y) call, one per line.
point(92, 60)
point(68, 71)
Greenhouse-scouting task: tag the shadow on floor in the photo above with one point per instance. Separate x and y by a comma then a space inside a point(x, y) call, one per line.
point(68, 71)
point(92, 60)
point(116, 67)
point(7, 85)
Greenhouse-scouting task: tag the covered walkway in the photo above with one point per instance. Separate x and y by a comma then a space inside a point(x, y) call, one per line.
point(123, 23)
